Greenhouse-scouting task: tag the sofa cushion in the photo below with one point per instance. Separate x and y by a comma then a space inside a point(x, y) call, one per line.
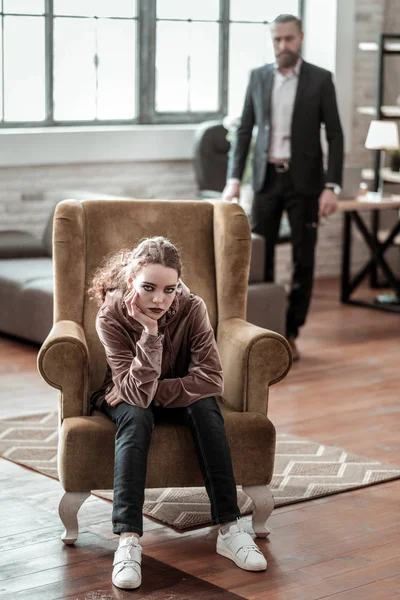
point(20, 244)
point(47, 238)
point(266, 306)
point(22, 270)
point(257, 258)
point(37, 296)
point(26, 297)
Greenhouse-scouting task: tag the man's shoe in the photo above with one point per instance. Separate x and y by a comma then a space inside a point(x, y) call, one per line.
point(127, 572)
point(293, 347)
point(239, 546)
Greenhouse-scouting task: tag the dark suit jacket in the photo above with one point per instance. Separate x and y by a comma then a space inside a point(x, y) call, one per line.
point(315, 103)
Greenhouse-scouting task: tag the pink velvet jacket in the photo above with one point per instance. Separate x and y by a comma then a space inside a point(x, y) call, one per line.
point(172, 369)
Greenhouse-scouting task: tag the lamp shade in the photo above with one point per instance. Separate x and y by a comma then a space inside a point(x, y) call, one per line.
point(382, 135)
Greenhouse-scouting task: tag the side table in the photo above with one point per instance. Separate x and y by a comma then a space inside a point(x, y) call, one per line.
point(352, 210)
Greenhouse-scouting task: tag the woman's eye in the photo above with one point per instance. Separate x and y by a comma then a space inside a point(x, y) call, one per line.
point(147, 288)
point(170, 290)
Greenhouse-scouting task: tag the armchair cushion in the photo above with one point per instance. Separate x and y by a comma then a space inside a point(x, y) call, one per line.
point(86, 452)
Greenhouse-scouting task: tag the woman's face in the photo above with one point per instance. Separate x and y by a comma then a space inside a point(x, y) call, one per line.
point(156, 287)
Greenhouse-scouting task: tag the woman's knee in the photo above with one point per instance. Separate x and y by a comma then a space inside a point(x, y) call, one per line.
point(131, 416)
point(206, 408)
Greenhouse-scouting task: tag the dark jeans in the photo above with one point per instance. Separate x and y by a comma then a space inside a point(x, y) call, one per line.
point(132, 443)
point(278, 195)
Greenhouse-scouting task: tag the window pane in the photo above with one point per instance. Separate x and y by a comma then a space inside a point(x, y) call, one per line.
point(188, 9)
point(172, 90)
point(254, 10)
point(117, 69)
point(74, 69)
point(24, 72)
point(204, 66)
point(259, 50)
point(187, 70)
point(95, 8)
point(29, 7)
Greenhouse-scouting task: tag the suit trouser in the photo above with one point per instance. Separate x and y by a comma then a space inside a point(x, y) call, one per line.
point(278, 195)
point(132, 443)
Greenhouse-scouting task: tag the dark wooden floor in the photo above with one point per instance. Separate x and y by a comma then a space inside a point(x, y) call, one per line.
point(344, 391)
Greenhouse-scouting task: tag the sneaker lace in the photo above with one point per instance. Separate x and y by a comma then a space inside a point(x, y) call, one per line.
point(129, 559)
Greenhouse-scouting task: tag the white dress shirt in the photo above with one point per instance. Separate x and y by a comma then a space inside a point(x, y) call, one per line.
point(283, 97)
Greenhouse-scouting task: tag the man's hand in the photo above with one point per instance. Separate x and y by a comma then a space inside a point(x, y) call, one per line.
point(328, 203)
point(231, 191)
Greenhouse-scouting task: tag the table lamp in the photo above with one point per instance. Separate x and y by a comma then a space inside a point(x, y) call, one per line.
point(382, 136)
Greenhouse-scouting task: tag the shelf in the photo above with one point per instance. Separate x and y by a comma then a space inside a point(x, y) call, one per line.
point(387, 175)
point(387, 111)
point(373, 46)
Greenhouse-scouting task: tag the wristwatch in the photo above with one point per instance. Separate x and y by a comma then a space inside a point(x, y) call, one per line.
point(336, 189)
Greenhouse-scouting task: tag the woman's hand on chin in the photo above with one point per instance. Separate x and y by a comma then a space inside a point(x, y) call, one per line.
point(134, 311)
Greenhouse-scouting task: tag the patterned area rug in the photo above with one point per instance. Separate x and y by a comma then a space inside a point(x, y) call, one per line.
point(303, 470)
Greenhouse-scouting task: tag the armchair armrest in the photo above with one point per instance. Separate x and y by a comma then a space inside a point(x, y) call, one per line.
point(253, 358)
point(63, 362)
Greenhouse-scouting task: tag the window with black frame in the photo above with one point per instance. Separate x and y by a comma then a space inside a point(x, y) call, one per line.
point(91, 62)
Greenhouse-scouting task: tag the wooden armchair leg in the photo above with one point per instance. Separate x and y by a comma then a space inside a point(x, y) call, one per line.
point(68, 508)
point(263, 507)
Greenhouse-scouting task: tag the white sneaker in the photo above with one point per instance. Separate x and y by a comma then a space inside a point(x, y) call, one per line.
point(239, 546)
point(127, 572)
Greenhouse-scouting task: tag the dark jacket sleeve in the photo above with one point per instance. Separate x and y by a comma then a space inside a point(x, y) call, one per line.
point(204, 376)
point(334, 133)
point(134, 375)
point(240, 145)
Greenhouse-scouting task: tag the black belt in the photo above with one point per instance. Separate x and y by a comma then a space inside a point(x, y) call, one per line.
point(281, 167)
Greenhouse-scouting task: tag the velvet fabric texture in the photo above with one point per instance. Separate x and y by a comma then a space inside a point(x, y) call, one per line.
point(215, 243)
point(171, 369)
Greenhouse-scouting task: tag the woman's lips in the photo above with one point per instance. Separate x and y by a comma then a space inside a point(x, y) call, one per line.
point(156, 310)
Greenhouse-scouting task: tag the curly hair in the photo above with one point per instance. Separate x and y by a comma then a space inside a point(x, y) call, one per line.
point(116, 268)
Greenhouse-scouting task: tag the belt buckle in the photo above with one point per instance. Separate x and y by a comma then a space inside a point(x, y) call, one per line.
point(282, 167)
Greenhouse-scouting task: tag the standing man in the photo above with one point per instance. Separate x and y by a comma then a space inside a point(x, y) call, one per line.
point(288, 101)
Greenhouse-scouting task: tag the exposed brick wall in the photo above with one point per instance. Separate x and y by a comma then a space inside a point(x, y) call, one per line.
point(43, 187)
point(369, 23)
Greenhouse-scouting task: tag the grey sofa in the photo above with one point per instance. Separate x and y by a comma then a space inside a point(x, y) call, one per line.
point(26, 287)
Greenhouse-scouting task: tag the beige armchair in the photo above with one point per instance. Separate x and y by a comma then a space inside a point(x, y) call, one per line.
point(215, 243)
